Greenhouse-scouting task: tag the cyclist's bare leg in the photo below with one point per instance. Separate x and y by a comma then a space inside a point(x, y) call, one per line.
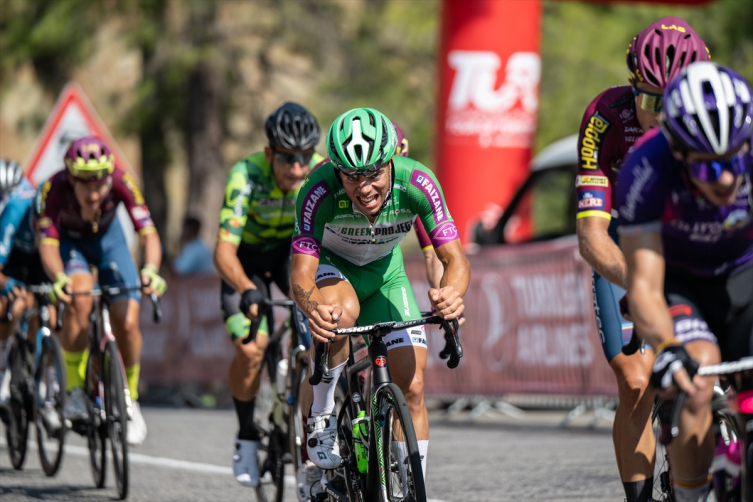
point(338, 293)
point(124, 313)
point(407, 366)
point(73, 336)
point(692, 450)
point(243, 374)
point(632, 433)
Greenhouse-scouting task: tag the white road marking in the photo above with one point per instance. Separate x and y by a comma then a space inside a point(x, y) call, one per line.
point(171, 463)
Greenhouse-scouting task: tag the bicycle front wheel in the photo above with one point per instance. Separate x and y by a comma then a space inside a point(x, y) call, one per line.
point(117, 416)
point(271, 449)
point(51, 382)
point(400, 476)
point(96, 430)
point(295, 416)
point(21, 408)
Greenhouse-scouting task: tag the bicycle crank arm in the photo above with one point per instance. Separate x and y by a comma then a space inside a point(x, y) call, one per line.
point(334, 493)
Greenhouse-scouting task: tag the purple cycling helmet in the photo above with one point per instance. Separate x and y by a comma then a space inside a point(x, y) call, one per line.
point(402, 142)
point(707, 109)
point(89, 159)
point(659, 52)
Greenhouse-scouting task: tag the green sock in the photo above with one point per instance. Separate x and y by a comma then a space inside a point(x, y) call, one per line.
point(132, 375)
point(73, 363)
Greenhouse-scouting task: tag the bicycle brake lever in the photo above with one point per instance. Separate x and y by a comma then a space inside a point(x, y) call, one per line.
point(316, 376)
point(59, 319)
point(257, 322)
point(157, 315)
point(8, 317)
point(452, 348)
point(674, 427)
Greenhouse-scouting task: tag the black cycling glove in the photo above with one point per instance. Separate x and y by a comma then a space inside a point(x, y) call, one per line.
point(668, 362)
point(250, 297)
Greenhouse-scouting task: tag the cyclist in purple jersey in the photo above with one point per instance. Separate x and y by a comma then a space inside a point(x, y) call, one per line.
point(611, 125)
point(78, 227)
point(686, 230)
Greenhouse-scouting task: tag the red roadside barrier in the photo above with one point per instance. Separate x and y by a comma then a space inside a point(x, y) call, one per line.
point(530, 328)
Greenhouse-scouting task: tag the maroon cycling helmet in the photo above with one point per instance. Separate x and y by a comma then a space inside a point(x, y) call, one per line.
point(402, 142)
point(659, 52)
point(89, 159)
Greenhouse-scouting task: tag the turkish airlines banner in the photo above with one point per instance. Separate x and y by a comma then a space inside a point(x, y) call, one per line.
point(490, 69)
point(530, 328)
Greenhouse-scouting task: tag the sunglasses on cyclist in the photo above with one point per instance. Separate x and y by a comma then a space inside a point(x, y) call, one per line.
point(353, 174)
point(709, 171)
point(291, 158)
point(652, 103)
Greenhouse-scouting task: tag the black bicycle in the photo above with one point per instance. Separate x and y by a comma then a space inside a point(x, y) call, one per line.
point(381, 460)
point(37, 386)
point(106, 389)
point(732, 406)
point(277, 412)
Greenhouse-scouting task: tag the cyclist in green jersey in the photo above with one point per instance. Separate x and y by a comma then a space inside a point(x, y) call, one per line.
point(347, 266)
point(253, 250)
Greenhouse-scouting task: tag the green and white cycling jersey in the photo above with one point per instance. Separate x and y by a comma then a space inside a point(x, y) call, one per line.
point(256, 215)
point(367, 255)
point(326, 218)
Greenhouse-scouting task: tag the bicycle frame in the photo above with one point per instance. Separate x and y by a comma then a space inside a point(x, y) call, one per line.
point(101, 332)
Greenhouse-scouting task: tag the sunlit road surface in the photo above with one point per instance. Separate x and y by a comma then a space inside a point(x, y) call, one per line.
point(187, 457)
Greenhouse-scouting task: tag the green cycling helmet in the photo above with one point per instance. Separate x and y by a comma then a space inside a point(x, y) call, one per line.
point(361, 140)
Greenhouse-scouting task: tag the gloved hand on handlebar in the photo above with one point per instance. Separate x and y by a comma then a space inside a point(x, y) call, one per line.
point(669, 361)
point(249, 298)
point(60, 288)
point(10, 285)
point(151, 279)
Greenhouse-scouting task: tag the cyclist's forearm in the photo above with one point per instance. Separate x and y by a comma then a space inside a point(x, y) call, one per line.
point(305, 293)
point(457, 273)
point(644, 254)
point(229, 266)
point(51, 260)
point(651, 318)
point(600, 251)
point(434, 268)
point(152, 247)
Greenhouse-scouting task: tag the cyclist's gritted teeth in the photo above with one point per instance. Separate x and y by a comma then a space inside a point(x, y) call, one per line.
point(370, 202)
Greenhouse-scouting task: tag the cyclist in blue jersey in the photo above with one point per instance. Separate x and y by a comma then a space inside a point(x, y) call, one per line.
point(19, 259)
point(686, 230)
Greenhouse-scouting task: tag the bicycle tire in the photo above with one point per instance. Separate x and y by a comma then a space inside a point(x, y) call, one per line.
point(50, 443)
point(96, 430)
point(116, 415)
point(662, 490)
point(271, 448)
point(295, 416)
point(20, 404)
point(392, 426)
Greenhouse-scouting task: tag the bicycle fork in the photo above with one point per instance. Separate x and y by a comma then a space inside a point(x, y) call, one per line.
point(380, 375)
point(108, 335)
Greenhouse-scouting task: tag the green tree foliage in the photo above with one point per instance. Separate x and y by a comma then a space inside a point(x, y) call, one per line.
point(583, 48)
point(54, 35)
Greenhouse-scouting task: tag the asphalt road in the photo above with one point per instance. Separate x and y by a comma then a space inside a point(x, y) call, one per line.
point(187, 457)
